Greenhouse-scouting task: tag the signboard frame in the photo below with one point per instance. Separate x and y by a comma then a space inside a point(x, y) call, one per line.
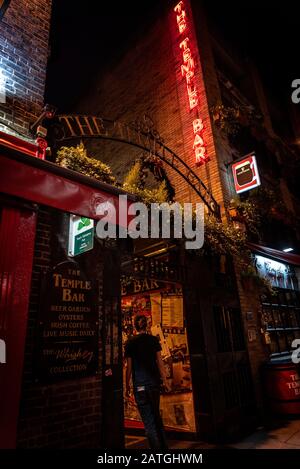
point(246, 164)
point(64, 350)
point(81, 235)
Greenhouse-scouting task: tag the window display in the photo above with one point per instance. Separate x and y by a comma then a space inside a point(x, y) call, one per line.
point(165, 315)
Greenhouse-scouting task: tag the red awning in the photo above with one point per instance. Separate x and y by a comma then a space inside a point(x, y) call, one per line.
point(46, 183)
point(286, 257)
point(17, 144)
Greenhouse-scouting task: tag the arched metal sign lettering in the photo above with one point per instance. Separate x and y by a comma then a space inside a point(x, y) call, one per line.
point(140, 134)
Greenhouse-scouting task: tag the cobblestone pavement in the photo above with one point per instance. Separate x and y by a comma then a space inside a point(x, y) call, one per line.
point(278, 434)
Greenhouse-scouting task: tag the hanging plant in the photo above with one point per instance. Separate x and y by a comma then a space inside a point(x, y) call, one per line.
point(76, 158)
point(262, 204)
point(251, 280)
point(152, 163)
point(246, 212)
point(221, 238)
point(227, 118)
point(225, 239)
point(134, 182)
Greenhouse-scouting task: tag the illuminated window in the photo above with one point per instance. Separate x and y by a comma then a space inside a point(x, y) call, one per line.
point(280, 312)
point(281, 320)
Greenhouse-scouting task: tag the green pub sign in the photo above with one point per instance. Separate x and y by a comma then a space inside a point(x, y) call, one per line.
point(81, 235)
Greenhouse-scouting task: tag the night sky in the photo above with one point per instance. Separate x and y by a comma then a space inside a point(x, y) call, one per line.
point(87, 40)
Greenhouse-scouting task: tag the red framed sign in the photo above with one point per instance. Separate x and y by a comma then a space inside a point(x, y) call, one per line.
point(245, 174)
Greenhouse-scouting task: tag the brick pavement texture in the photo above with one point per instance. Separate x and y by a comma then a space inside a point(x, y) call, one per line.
point(279, 434)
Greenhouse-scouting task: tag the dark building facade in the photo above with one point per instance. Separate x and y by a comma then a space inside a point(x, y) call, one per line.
point(210, 108)
point(180, 97)
point(51, 306)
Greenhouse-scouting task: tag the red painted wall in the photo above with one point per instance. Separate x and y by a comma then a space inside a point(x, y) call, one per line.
point(17, 232)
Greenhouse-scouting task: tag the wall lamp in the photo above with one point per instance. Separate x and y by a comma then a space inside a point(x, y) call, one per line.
point(37, 126)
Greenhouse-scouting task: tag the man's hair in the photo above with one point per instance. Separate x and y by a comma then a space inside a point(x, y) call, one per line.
point(140, 322)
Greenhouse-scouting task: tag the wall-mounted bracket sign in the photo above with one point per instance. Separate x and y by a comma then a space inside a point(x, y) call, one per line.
point(81, 235)
point(245, 174)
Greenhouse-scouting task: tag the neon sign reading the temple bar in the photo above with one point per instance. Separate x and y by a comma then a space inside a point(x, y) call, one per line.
point(188, 72)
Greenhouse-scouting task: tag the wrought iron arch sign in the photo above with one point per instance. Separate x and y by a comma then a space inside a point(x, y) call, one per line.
point(140, 134)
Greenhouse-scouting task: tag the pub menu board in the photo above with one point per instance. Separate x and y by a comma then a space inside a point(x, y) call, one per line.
point(68, 328)
point(172, 310)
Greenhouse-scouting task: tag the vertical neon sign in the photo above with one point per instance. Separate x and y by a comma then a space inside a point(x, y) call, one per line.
point(188, 72)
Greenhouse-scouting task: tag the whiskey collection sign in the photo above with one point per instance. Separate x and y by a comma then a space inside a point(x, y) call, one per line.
point(68, 332)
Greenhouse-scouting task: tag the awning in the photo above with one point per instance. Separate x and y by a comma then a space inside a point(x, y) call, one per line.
point(46, 183)
point(286, 257)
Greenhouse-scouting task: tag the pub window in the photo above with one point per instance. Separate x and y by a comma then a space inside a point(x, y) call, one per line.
point(281, 320)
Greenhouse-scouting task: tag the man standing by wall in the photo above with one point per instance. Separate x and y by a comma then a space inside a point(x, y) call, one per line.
point(144, 363)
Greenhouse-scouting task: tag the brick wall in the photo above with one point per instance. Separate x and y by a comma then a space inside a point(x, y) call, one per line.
point(24, 31)
point(148, 81)
point(257, 349)
point(66, 414)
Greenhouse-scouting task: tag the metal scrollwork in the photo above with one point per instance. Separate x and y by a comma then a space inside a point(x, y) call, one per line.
point(146, 126)
point(141, 134)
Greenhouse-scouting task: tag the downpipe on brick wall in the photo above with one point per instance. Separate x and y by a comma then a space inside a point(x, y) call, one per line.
point(2, 352)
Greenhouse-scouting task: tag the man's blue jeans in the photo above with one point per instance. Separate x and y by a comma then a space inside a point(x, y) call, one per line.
point(148, 404)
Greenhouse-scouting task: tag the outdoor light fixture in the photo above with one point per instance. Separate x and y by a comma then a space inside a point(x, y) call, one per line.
point(48, 112)
point(288, 249)
point(245, 174)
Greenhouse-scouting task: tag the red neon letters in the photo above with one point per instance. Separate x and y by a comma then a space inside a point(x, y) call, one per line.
point(188, 72)
point(181, 17)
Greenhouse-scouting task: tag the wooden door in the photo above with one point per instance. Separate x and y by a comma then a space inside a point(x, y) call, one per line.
point(222, 382)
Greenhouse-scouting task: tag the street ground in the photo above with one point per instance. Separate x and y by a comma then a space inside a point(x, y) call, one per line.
point(278, 434)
